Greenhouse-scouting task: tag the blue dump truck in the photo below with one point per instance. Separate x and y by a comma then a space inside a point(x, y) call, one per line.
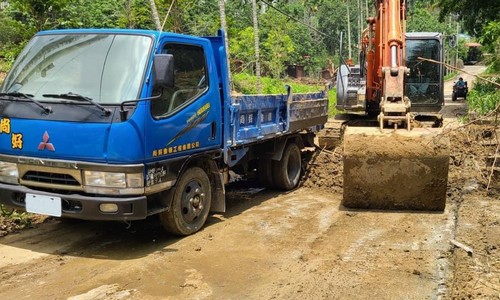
point(125, 124)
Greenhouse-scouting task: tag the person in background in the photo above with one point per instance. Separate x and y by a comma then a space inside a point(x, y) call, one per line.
point(460, 83)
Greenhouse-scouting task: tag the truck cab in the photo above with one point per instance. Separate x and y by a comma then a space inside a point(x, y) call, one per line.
point(108, 124)
point(72, 124)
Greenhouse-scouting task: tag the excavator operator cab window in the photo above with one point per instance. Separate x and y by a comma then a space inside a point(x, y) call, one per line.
point(423, 85)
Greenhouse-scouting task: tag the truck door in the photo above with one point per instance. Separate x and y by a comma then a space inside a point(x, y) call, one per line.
point(186, 118)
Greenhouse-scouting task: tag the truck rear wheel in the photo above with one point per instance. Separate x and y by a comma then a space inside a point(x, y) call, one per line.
point(190, 203)
point(287, 170)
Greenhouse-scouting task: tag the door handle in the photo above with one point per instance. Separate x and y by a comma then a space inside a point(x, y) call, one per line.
point(213, 131)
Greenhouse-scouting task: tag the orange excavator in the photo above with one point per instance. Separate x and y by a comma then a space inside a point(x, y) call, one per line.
point(395, 155)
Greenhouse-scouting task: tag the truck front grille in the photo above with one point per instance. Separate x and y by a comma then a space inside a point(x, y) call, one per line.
point(50, 178)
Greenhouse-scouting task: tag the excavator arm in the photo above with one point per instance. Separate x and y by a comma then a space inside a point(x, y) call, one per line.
point(393, 165)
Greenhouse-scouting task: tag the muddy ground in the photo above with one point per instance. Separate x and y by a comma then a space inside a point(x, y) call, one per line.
point(269, 245)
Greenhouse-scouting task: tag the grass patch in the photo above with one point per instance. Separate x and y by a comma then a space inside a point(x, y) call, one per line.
point(12, 220)
point(332, 101)
point(450, 75)
point(247, 84)
point(484, 97)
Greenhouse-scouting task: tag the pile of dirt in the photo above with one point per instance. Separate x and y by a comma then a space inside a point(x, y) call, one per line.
point(474, 196)
point(8, 225)
point(12, 221)
point(324, 170)
point(471, 147)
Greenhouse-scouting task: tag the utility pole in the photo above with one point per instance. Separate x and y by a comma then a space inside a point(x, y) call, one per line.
point(256, 44)
point(223, 24)
point(348, 31)
point(360, 22)
point(456, 45)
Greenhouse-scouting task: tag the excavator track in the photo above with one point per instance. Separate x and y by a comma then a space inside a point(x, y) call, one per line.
point(331, 136)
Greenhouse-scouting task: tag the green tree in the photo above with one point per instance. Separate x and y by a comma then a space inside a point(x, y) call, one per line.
point(90, 14)
point(13, 36)
point(491, 40)
point(474, 14)
point(277, 45)
point(239, 46)
point(37, 14)
point(332, 20)
point(107, 14)
point(480, 19)
point(135, 14)
point(424, 16)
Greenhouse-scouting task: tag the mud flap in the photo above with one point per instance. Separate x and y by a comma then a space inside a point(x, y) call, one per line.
point(398, 170)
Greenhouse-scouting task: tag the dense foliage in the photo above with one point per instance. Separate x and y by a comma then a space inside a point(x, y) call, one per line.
point(482, 19)
point(300, 32)
point(484, 98)
point(286, 27)
point(479, 18)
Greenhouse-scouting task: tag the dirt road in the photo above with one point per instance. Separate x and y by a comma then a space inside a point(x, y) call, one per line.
point(269, 245)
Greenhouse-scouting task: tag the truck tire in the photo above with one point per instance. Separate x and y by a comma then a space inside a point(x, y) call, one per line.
point(265, 172)
point(287, 170)
point(190, 204)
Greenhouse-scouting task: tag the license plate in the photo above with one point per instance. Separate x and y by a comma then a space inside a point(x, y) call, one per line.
point(44, 205)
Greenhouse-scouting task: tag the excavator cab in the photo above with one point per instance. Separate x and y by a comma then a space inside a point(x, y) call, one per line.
point(424, 85)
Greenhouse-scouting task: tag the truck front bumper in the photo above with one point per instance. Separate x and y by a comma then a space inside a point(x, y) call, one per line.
point(79, 206)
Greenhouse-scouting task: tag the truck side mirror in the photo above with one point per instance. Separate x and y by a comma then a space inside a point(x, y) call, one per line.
point(163, 68)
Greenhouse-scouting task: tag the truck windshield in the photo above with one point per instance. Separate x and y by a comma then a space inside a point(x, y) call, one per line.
point(107, 68)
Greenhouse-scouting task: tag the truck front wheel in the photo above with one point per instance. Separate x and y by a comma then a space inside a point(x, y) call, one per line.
point(190, 203)
point(287, 170)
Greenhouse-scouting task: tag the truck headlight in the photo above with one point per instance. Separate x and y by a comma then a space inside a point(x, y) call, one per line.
point(107, 179)
point(113, 183)
point(9, 172)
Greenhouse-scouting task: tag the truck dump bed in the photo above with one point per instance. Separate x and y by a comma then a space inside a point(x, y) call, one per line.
point(259, 117)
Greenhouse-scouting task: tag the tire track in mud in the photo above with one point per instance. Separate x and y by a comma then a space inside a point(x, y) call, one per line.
point(363, 251)
point(300, 244)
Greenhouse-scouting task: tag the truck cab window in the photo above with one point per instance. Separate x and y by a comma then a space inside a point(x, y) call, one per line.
point(191, 79)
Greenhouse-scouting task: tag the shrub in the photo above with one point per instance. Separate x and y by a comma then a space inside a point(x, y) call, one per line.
point(484, 97)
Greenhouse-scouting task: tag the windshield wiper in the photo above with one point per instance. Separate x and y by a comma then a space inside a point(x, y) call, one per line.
point(28, 97)
point(77, 97)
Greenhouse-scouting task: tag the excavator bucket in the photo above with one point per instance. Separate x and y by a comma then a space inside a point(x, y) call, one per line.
point(395, 169)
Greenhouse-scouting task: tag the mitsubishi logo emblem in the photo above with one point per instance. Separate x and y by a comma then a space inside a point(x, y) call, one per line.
point(44, 144)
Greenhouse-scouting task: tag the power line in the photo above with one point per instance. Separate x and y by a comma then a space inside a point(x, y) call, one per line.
point(295, 19)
